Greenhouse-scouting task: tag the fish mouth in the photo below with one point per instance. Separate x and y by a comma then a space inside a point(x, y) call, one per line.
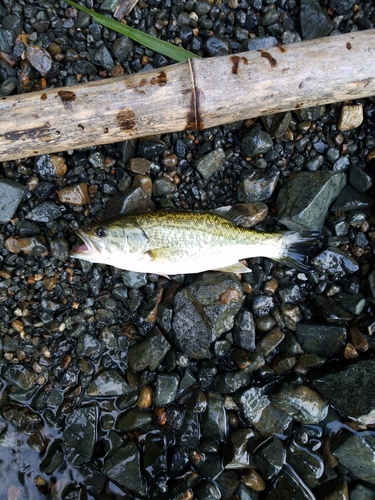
point(86, 248)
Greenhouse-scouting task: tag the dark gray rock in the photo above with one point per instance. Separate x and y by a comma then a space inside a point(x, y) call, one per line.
point(20, 375)
point(108, 383)
point(356, 453)
point(304, 201)
point(309, 465)
point(149, 353)
point(256, 142)
point(351, 199)
point(217, 46)
point(289, 486)
point(79, 435)
point(323, 340)
point(244, 330)
point(121, 48)
point(209, 164)
point(257, 186)
point(278, 123)
point(359, 179)
point(315, 22)
point(204, 310)
point(214, 419)
point(124, 467)
point(133, 418)
point(11, 194)
point(229, 382)
point(165, 388)
point(360, 492)
point(351, 391)
point(239, 447)
point(330, 309)
point(270, 457)
point(155, 460)
point(45, 212)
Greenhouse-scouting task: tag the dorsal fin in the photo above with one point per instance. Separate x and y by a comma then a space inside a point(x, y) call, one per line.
point(241, 214)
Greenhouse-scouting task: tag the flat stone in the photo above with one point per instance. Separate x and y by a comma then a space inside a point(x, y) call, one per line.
point(166, 387)
point(359, 179)
point(20, 375)
point(270, 457)
point(209, 164)
point(39, 59)
point(350, 199)
point(133, 418)
point(356, 453)
point(300, 402)
point(108, 383)
point(149, 353)
point(45, 212)
point(74, 195)
point(278, 123)
point(322, 339)
point(79, 435)
point(289, 486)
point(304, 201)
point(315, 22)
point(11, 194)
point(308, 465)
point(214, 419)
point(204, 310)
point(330, 309)
point(140, 165)
point(351, 117)
point(335, 262)
point(124, 467)
point(257, 185)
point(351, 391)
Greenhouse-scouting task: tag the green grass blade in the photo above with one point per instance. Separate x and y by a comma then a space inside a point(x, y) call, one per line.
point(165, 48)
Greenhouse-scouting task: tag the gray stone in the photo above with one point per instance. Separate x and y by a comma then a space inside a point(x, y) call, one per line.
point(204, 310)
point(323, 340)
point(360, 492)
point(209, 164)
point(108, 383)
point(45, 212)
point(163, 186)
point(244, 330)
point(359, 179)
point(330, 309)
point(257, 185)
point(133, 418)
point(270, 457)
point(89, 346)
point(11, 194)
point(20, 375)
point(356, 453)
point(351, 391)
point(214, 419)
point(300, 402)
point(165, 388)
point(121, 48)
point(229, 382)
point(289, 486)
point(256, 142)
point(308, 465)
point(79, 435)
point(149, 353)
point(124, 467)
point(304, 201)
point(278, 123)
point(315, 22)
point(134, 280)
point(238, 448)
point(351, 199)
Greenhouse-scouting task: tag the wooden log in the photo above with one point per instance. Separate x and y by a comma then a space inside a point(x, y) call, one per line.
point(192, 95)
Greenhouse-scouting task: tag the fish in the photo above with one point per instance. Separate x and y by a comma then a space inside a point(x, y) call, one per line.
point(170, 242)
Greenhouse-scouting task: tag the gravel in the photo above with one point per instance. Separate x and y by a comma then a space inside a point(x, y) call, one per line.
point(116, 384)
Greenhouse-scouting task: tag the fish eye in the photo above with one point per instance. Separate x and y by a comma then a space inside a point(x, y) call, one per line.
point(101, 232)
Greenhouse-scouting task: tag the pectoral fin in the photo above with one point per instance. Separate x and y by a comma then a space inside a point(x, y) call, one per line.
point(237, 267)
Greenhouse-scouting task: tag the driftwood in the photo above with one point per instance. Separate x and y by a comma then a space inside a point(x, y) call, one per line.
point(192, 95)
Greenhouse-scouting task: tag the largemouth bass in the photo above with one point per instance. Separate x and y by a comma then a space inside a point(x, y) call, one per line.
point(178, 242)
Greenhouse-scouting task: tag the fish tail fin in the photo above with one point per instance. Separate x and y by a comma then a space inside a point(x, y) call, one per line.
point(296, 248)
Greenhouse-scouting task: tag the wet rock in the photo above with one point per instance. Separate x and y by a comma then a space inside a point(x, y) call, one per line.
point(230, 382)
point(323, 340)
point(79, 435)
point(289, 486)
point(35, 245)
point(360, 492)
point(351, 199)
point(300, 402)
point(11, 194)
point(39, 59)
point(149, 353)
point(89, 346)
point(353, 303)
point(257, 186)
point(124, 467)
point(204, 310)
point(133, 419)
point(351, 117)
point(239, 447)
point(134, 280)
point(256, 142)
point(308, 465)
point(214, 419)
point(330, 310)
point(263, 305)
point(351, 391)
point(132, 201)
point(53, 459)
point(244, 330)
point(166, 388)
point(59, 249)
point(155, 461)
point(270, 341)
point(151, 147)
point(359, 179)
point(45, 212)
point(121, 48)
point(74, 195)
point(304, 201)
point(189, 433)
point(217, 46)
point(356, 453)
point(22, 417)
point(277, 124)
point(315, 22)
point(20, 375)
point(270, 457)
point(108, 383)
point(209, 164)
point(163, 186)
